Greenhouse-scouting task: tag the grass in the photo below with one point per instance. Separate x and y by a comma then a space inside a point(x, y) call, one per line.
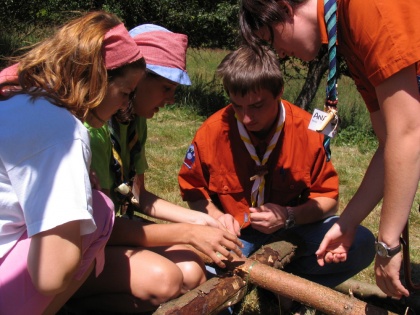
point(169, 135)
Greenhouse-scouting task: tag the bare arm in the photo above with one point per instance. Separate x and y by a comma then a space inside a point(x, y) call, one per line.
point(206, 239)
point(339, 238)
point(157, 207)
point(54, 256)
point(400, 104)
point(227, 220)
point(394, 170)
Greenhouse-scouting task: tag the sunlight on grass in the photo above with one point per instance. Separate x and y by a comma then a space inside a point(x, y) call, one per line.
point(204, 62)
point(169, 134)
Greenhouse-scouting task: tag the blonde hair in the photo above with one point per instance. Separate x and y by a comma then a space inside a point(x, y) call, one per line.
point(68, 68)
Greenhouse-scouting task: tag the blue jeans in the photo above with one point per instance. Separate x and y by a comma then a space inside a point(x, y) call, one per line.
point(361, 253)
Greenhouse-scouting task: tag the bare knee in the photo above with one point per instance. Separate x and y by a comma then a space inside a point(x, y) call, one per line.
point(194, 272)
point(163, 283)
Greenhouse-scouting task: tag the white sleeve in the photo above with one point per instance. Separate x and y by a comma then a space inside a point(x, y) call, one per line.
point(53, 187)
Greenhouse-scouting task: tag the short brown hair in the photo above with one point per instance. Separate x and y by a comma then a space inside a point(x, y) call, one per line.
point(243, 71)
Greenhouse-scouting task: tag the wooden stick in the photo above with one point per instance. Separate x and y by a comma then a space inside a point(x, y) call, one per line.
point(211, 297)
point(309, 293)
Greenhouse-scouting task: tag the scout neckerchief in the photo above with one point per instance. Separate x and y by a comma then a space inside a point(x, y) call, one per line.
point(123, 174)
point(257, 192)
point(330, 14)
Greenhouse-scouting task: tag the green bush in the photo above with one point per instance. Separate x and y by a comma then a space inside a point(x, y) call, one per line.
point(210, 24)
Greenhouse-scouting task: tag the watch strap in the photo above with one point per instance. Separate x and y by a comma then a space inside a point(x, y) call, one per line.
point(390, 252)
point(290, 221)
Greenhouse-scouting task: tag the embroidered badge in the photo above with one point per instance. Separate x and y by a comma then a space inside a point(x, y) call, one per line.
point(190, 157)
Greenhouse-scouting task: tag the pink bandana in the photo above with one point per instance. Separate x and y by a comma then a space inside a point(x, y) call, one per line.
point(163, 48)
point(119, 48)
point(9, 74)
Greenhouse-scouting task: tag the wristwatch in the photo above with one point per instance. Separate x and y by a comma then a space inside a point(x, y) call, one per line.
point(290, 221)
point(384, 250)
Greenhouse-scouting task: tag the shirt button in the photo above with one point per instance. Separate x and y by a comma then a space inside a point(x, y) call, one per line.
point(225, 188)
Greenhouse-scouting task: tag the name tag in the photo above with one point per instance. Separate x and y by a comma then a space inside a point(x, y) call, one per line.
point(323, 122)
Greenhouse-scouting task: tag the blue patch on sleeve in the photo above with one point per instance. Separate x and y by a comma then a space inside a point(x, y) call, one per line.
point(190, 157)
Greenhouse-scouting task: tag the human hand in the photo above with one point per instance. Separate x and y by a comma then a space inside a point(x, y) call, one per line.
point(230, 224)
point(218, 244)
point(387, 271)
point(268, 218)
point(335, 245)
point(205, 219)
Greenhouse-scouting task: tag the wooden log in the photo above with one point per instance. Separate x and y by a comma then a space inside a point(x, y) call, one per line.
point(281, 252)
point(217, 293)
point(211, 297)
point(371, 293)
point(309, 293)
point(360, 289)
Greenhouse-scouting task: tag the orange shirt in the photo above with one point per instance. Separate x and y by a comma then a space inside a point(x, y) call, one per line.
point(218, 165)
point(377, 38)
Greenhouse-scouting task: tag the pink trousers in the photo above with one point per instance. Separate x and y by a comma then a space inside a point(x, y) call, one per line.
point(17, 293)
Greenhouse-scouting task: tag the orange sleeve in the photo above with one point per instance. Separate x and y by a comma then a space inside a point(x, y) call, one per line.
point(378, 39)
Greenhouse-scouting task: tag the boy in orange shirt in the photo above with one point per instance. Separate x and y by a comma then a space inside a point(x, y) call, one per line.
point(256, 168)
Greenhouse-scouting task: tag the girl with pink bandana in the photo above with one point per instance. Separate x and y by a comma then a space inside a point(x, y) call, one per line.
point(154, 265)
point(53, 227)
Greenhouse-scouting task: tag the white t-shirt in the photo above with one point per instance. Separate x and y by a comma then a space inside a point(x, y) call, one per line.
point(44, 170)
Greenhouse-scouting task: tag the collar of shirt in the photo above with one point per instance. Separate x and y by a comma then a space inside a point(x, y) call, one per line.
point(321, 22)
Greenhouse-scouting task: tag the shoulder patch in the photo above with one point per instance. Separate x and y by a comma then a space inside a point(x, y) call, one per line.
point(189, 157)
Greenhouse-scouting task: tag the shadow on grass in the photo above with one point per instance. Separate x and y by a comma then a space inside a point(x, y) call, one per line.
point(204, 97)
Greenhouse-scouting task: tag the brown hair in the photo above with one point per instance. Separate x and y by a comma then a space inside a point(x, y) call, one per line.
point(244, 70)
point(68, 68)
point(255, 14)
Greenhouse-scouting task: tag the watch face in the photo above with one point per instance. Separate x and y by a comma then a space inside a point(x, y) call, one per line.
point(381, 249)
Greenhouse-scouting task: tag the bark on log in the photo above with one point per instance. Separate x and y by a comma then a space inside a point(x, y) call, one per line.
point(371, 293)
point(211, 297)
point(280, 252)
point(219, 293)
point(309, 293)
